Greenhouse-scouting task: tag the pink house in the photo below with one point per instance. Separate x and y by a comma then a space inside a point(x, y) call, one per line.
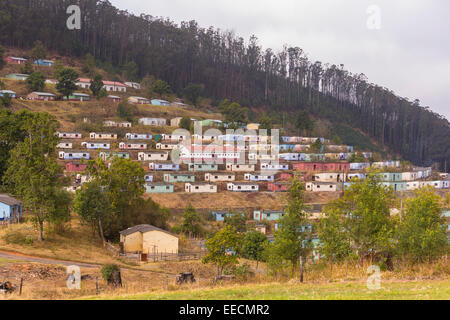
point(278, 186)
point(286, 176)
point(75, 167)
point(322, 166)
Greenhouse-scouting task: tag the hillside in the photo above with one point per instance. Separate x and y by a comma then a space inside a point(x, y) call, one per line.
point(259, 78)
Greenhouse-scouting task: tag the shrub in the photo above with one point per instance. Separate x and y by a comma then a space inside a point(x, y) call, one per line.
point(108, 270)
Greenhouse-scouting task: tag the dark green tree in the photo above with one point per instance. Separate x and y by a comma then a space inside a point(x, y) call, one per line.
point(193, 92)
point(96, 85)
point(36, 81)
point(67, 78)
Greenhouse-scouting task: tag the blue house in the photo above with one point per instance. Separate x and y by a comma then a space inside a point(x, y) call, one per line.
point(44, 63)
point(157, 102)
point(220, 215)
point(10, 209)
point(12, 94)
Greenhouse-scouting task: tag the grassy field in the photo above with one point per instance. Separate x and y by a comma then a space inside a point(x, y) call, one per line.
point(423, 290)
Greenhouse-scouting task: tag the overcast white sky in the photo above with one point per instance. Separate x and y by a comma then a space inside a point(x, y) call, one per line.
point(410, 54)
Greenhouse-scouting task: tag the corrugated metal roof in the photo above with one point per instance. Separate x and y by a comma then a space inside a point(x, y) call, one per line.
point(4, 198)
point(143, 228)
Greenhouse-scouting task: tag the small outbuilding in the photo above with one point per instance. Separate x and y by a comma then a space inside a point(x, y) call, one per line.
point(148, 239)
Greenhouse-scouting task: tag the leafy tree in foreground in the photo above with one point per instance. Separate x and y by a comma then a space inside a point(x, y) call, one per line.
point(422, 230)
point(33, 173)
point(191, 221)
point(292, 239)
point(362, 218)
point(92, 206)
point(253, 246)
point(27, 67)
point(222, 249)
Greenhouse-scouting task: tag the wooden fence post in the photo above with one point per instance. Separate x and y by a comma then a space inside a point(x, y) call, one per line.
point(96, 285)
point(21, 285)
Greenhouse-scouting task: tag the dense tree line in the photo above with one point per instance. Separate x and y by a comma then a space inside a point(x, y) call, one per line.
point(228, 67)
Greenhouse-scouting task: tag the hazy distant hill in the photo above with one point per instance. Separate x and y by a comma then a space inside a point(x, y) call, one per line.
point(230, 68)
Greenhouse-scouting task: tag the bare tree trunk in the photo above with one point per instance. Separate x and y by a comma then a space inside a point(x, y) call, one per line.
point(100, 228)
point(301, 269)
point(41, 230)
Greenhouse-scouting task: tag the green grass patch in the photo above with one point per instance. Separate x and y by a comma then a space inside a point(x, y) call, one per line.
point(415, 290)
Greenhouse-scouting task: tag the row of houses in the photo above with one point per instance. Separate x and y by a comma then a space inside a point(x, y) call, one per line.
point(316, 186)
point(20, 61)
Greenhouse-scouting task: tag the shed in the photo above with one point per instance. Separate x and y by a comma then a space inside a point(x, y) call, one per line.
point(148, 239)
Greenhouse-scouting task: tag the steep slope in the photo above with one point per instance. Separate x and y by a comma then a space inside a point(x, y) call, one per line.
point(229, 68)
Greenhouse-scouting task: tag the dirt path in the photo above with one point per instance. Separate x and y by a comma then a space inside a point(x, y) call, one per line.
point(22, 257)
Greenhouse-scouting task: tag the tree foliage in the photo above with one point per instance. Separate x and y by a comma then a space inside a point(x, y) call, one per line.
point(36, 81)
point(33, 173)
point(193, 92)
point(222, 249)
point(422, 230)
point(67, 78)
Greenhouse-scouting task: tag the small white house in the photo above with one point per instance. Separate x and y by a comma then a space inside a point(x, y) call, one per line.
point(321, 187)
point(274, 167)
point(328, 177)
point(67, 135)
point(64, 145)
point(103, 136)
point(153, 156)
point(96, 145)
point(289, 156)
point(219, 177)
point(412, 185)
point(240, 167)
point(242, 187)
point(132, 146)
point(409, 176)
point(166, 146)
point(133, 85)
point(138, 136)
point(156, 122)
point(259, 177)
point(110, 123)
point(173, 137)
point(139, 100)
point(200, 187)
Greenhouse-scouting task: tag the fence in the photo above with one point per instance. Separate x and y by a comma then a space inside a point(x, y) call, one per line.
point(161, 257)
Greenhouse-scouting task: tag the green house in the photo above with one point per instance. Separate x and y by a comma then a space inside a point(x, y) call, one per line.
point(268, 215)
point(202, 167)
point(106, 155)
point(178, 177)
point(390, 176)
point(159, 188)
point(17, 76)
point(396, 185)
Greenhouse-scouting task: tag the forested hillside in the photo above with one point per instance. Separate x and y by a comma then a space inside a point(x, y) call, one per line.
point(232, 68)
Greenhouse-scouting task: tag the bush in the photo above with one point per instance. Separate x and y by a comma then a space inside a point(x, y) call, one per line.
point(108, 270)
